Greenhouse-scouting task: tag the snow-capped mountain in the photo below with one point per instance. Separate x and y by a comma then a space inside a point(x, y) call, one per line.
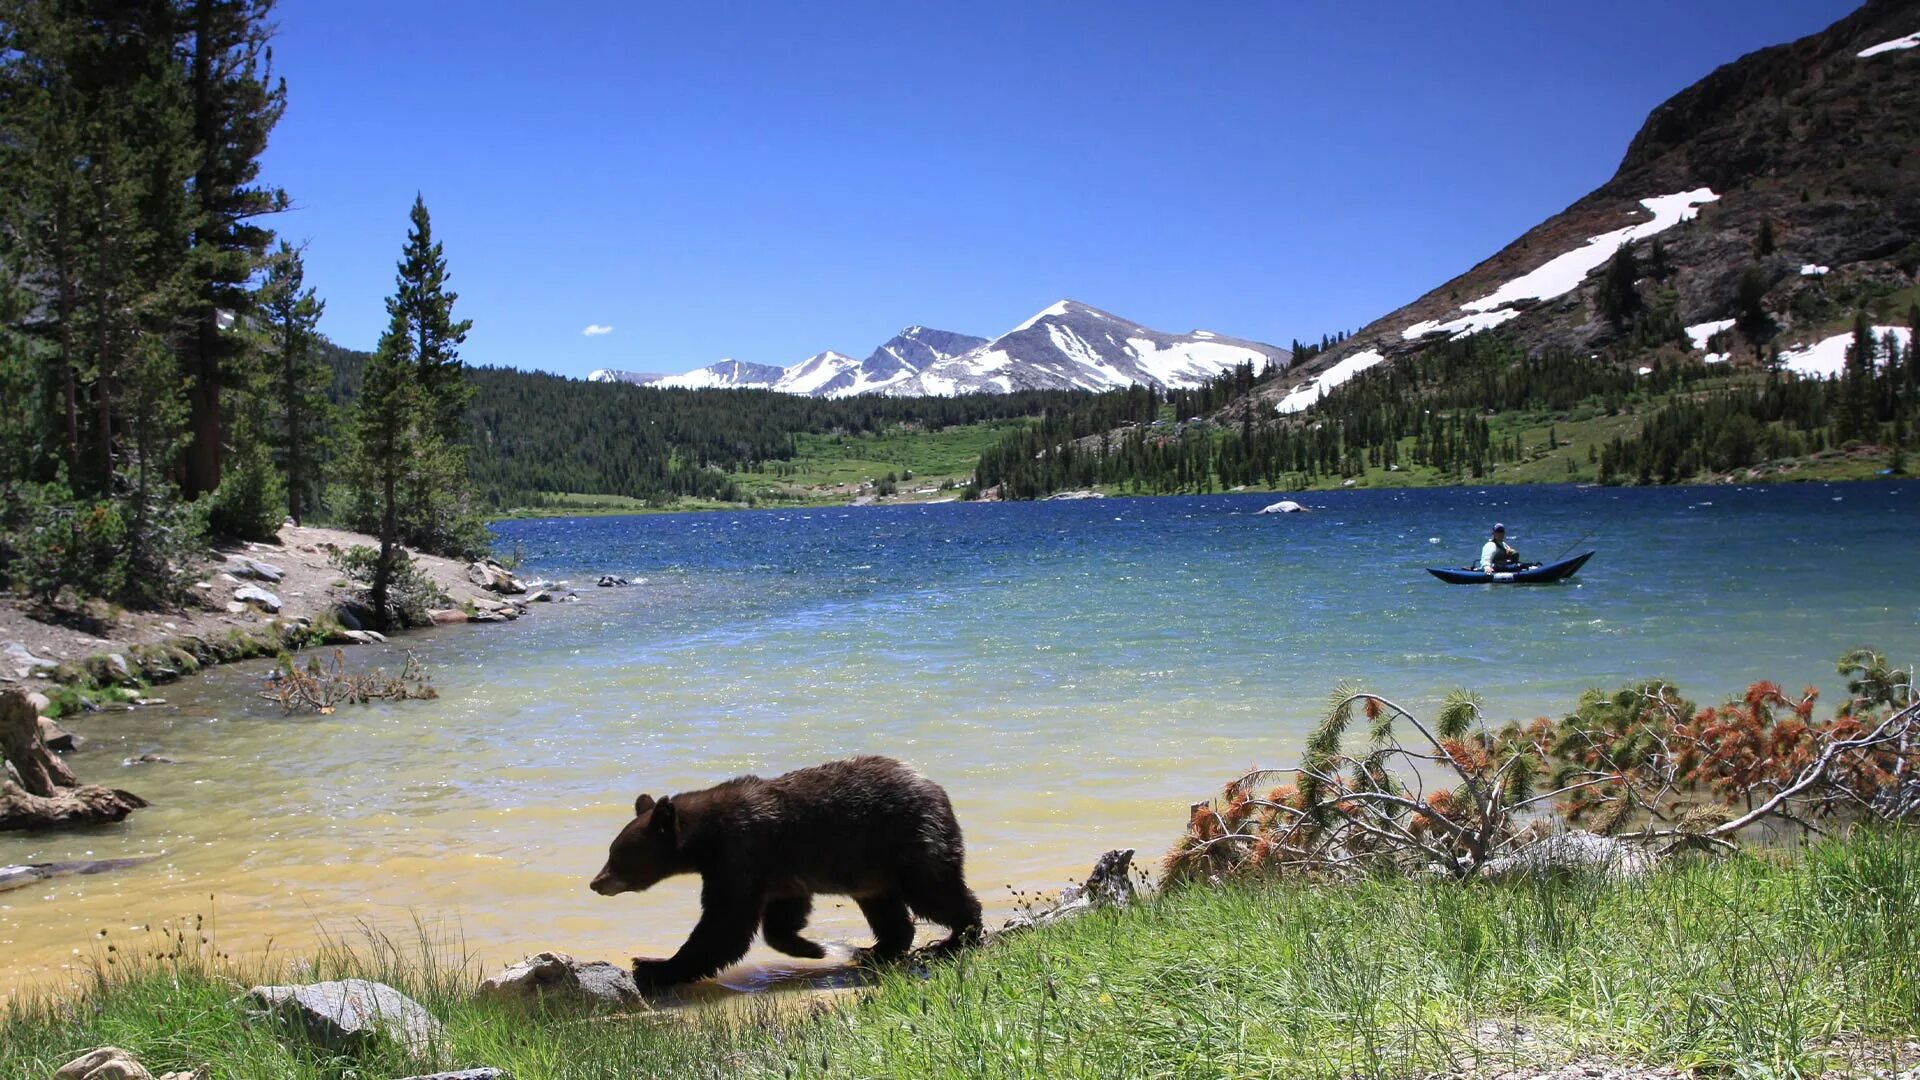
point(1067, 346)
point(725, 375)
point(1070, 346)
point(638, 378)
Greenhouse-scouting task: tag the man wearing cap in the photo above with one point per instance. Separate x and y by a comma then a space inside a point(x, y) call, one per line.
point(1497, 554)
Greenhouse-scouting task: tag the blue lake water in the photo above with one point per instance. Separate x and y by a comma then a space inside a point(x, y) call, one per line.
point(1074, 672)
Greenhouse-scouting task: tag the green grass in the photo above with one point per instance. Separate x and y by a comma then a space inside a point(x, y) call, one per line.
point(1769, 964)
point(830, 461)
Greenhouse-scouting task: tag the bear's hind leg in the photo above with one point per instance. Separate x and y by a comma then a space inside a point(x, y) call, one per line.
point(943, 897)
point(781, 924)
point(892, 926)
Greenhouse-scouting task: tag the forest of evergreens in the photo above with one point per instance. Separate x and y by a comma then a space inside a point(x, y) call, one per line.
point(1432, 409)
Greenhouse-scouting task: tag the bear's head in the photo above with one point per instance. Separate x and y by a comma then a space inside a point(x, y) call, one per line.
point(647, 850)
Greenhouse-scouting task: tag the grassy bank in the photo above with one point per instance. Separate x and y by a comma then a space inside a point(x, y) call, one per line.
point(1769, 964)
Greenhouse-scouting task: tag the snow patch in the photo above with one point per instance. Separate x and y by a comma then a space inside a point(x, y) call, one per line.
point(1716, 358)
point(1814, 270)
point(1057, 309)
point(1461, 327)
point(1643, 371)
point(1306, 394)
point(1563, 273)
point(1698, 333)
point(1896, 45)
point(1828, 356)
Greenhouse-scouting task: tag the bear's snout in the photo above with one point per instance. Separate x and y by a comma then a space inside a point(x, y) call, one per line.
point(606, 884)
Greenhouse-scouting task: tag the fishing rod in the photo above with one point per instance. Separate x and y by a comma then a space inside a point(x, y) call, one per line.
point(1606, 521)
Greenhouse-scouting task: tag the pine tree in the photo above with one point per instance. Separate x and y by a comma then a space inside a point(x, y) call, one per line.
point(1763, 244)
point(1618, 298)
point(387, 425)
point(1856, 422)
point(235, 105)
point(300, 376)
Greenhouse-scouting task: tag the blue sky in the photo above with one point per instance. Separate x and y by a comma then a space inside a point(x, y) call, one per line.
point(763, 181)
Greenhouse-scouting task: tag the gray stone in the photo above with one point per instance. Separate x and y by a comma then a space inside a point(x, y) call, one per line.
point(25, 663)
point(58, 738)
point(1284, 506)
point(557, 977)
point(493, 577)
point(118, 665)
point(254, 594)
point(612, 581)
point(146, 759)
point(540, 597)
point(257, 570)
point(348, 1014)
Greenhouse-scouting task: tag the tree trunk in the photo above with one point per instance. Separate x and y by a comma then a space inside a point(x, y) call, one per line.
point(48, 795)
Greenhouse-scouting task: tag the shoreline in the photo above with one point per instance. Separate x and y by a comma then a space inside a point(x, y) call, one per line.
point(253, 600)
point(1768, 480)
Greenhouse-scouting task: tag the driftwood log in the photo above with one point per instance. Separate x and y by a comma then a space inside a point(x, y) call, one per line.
point(38, 790)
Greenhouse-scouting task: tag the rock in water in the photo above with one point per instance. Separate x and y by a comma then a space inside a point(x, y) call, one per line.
point(1284, 506)
point(493, 577)
point(349, 1013)
point(555, 976)
point(57, 737)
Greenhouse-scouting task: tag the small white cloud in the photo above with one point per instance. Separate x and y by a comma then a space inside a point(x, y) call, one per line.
point(595, 330)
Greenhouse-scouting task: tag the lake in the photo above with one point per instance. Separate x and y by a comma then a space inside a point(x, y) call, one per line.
point(1075, 673)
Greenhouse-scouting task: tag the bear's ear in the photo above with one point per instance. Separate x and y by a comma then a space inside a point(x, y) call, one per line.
point(642, 804)
point(663, 820)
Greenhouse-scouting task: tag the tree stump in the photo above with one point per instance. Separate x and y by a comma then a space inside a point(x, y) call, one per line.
point(38, 790)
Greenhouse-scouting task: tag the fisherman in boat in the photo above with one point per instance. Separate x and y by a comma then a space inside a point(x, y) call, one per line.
point(1497, 555)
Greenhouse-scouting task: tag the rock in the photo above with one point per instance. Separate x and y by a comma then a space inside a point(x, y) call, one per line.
point(104, 1063)
point(493, 577)
point(19, 877)
point(348, 1014)
point(1284, 506)
point(447, 616)
point(235, 607)
point(609, 581)
point(254, 594)
point(557, 977)
point(147, 759)
point(376, 635)
point(1573, 851)
point(255, 569)
point(25, 663)
point(488, 615)
point(149, 702)
point(58, 738)
point(1069, 496)
point(349, 616)
point(541, 596)
point(464, 1074)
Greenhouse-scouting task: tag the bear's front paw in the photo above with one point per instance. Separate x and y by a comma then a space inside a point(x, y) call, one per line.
point(651, 974)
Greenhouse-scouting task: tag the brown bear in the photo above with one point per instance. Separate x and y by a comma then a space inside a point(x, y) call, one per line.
point(868, 827)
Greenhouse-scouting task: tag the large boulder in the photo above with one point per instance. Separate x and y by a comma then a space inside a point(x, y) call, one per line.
point(349, 1014)
point(493, 577)
point(258, 597)
point(24, 663)
point(557, 978)
point(57, 737)
point(240, 566)
point(1284, 506)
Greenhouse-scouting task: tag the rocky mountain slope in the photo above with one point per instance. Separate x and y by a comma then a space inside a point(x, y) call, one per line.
point(1784, 193)
point(1068, 346)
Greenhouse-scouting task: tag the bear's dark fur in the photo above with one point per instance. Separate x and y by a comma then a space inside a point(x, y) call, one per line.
point(868, 827)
